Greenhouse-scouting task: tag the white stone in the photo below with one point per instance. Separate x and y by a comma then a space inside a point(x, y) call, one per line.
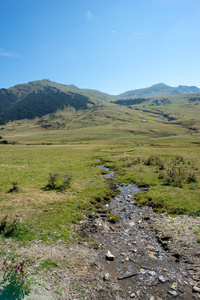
point(152, 273)
point(173, 293)
point(106, 276)
point(196, 289)
point(162, 278)
point(132, 224)
point(110, 256)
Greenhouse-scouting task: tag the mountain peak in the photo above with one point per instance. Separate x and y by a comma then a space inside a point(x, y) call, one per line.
point(46, 80)
point(160, 85)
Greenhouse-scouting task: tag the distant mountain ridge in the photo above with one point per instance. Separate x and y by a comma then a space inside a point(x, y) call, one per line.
point(159, 89)
point(41, 97)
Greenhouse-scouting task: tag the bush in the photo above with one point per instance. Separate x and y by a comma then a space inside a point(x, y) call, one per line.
point(176, 176)
point(53, 183)
point(4, 142)
point(15, 187)
point(6, 227)
point(191, 178)
point(155, 161)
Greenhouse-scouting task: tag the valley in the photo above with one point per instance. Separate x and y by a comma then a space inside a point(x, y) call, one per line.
point(151, 142)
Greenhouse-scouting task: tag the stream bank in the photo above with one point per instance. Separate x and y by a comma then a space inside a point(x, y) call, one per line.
point(145, 265)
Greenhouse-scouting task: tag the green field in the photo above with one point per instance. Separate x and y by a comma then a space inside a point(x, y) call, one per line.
point(48, 215)
point(139, 143)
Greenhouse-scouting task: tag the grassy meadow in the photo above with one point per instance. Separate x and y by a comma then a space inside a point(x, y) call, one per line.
point(163, 156)
point(49, 214)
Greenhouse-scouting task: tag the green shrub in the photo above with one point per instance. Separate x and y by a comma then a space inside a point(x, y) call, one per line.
point(15, 188)
point(8, 227)
point(154, 161)
point(191, 178)
point(54, 185)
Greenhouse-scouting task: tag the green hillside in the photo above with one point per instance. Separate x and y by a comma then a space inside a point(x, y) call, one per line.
point(37, 99)
point(60, 111)
point(27, 103)
point(176, 110)
point(22, 90)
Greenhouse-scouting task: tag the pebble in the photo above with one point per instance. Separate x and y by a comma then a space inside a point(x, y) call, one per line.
point(138, 293)
point(127, 258)
point(174, 285)
point(106, 276)
point(152, 273)
point(162, 279)
point(132, 224)
point(173, 293)
point(152, 256)
point(110, 256)
point(133, 295)
point(196, 289)
point(142, 270)
point(150, 247)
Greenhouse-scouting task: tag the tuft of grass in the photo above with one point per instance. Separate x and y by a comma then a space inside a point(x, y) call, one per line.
point(47, 264)
point(15, 188)
point(113, 219)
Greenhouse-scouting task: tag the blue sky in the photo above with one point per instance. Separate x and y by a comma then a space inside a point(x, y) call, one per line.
point(109, 45)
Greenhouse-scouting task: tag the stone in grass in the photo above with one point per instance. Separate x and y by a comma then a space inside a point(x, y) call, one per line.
point(110, 256)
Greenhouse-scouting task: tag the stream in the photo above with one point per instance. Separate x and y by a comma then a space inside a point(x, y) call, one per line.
point(142, 268)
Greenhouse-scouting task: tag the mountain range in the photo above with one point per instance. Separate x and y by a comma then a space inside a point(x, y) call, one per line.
point(160, 89)
point(41, 97)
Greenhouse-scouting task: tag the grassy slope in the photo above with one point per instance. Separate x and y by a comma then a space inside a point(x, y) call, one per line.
point(22, 90)
point(186, 113)
point(108, 118)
